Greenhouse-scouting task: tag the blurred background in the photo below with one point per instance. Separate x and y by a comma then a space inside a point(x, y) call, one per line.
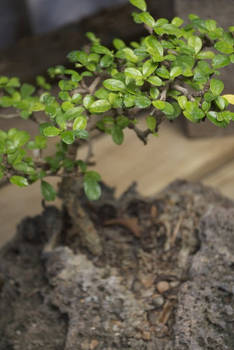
point(35, 34)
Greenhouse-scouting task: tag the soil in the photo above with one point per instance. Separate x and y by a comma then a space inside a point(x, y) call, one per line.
point(164, 279)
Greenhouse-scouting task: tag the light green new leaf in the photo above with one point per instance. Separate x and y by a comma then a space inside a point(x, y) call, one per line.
point(133, 73)
point(68, 137)
point(156, 81)
point(100, 106)
point(195, 42)
point(224, 47)
point(220, 61)
point(175, 72)
point(19, 181)
point(114, 85)
point(92, 188)
point(216, 86)
point(80, 123)
point(51, 131)
point(140, 4)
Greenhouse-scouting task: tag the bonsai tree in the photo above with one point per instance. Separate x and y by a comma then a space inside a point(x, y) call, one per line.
point(170, 72)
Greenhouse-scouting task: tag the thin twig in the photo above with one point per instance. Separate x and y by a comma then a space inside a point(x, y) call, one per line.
point(94, 85)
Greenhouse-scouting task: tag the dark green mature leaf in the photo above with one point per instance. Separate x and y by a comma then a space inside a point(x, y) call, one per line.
point(114, 85)
point(140, 4)
point(19, 181)
point(78, 56)
point(100, 106)
point(151, 123)
point(117, 134)
point(216, 86)
point(48, 191)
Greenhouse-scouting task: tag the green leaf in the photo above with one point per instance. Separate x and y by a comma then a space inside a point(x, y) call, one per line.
point(94, 175)
point(40, 142)
point(140, 4)
point(148, 68)
point(154, 47)
point(213, 116)
point(182, 100)
point(206, 55)
point(114, 85)
point(144, 17)
point(177, 21)
point(88, 101)
point(51, 131)
point(78, 56)
point(18, 138)
point(220, 61)
point(224, 47)
point(106, 61)
point(156, 81)
point(119, 44)
point(129, 100)
point(154, 93)
point(27, 90)
point(175, 72)
point(151, 123)
point(133, 73)
point(163, 72)
point(48, 191)
point(80, 123)
point(19, 181)
point(221, 102)
point(130, 55)
point(142, 101)
point(92, 188)
point(100, 106)
point(117, 135)
point(100, 49)
point(216, 86)
point(67, 85)
point(68, 137)
point(196, 43)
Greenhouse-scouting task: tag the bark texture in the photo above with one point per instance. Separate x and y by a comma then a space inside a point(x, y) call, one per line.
point(164, 279)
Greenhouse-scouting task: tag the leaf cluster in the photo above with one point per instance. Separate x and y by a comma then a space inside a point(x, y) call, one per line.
point(172, 71)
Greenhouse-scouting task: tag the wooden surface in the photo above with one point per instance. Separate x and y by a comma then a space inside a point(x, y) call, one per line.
point(167, 157)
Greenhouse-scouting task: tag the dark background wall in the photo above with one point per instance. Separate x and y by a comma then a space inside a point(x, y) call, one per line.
point(19, 18)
